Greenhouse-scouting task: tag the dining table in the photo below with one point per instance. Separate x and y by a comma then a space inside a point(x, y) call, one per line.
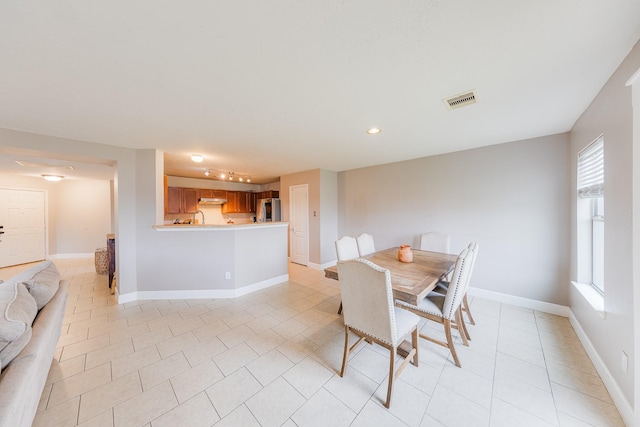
point(411, 281)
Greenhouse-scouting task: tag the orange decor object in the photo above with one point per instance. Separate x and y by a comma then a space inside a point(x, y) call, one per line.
point(405, 254)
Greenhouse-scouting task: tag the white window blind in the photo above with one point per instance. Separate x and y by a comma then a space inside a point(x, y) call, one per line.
point(591, 170)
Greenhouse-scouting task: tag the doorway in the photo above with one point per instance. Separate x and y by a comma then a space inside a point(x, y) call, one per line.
point(22, 218)
point(299, 219)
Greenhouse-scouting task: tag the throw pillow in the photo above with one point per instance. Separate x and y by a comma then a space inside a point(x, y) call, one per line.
point(44, 284)
point(17, 311)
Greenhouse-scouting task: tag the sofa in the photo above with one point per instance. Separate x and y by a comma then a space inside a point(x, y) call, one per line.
point(32, 306)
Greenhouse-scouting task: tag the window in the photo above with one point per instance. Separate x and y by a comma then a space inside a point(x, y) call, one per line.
point(591, 195)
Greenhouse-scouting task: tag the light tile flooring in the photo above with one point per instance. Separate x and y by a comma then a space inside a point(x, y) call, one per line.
point(272, 358)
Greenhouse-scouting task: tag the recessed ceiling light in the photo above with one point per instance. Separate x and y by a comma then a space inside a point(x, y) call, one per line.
point(53, 178)
point(197, 158)
point(374, 131)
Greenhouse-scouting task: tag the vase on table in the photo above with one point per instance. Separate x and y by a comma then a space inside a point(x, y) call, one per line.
point(405, 254)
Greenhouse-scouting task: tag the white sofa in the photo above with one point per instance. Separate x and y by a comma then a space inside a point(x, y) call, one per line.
point(24, 370)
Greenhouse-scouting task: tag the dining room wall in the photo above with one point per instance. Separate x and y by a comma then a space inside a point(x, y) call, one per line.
point(611, 333)
point(511, 198)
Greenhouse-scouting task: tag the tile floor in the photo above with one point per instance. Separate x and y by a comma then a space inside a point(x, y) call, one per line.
point(272, 359)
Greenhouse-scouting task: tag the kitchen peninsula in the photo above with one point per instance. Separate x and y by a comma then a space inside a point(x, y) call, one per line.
point(214, 261)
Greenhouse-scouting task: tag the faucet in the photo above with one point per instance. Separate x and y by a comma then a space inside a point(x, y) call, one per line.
point(194, 216)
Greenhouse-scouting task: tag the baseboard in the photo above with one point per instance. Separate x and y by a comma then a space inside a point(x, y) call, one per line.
point(625, 409)
point(321, 266)
point(547, 307)
point(65, 256)
point(621, 402)
point(200, 293)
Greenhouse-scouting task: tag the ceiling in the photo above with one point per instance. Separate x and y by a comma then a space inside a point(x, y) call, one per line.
point(266, 89)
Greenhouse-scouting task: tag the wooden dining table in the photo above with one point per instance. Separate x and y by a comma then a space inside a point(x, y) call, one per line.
point(411, 281)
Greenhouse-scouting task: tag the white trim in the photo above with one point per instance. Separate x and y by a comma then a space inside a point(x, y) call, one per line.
point(625, 409)
point(592, 297)
point(65, 256)
point(201, 293)
point(322, 266)
point(217, 227)
point(547, 307)
point(634, 78)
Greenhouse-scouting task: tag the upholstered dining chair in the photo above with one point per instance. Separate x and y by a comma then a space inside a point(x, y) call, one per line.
point(365, 244)
point(346, 249)
point(464, 306)
point(369, 312)
point(445, 309)
point(435, 242)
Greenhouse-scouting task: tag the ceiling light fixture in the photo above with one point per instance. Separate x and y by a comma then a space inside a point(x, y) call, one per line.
point(374, 131)
point(198, 158)
point(53, 178)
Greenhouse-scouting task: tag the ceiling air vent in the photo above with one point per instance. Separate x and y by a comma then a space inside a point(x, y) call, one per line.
point(461, 100)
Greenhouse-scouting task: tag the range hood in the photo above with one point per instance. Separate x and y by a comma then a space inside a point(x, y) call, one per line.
point(212, 201)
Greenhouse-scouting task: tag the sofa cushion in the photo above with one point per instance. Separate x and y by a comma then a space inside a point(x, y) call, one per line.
point(42, 280)
point(17, 311)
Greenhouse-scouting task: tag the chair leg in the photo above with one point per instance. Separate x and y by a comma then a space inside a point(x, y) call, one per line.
point(345, 356)
point(392, 365)
point(447, 332)
point(465, 305)
point(415, 342)
point(340, 309)
point(461, 327)
point(463, 324)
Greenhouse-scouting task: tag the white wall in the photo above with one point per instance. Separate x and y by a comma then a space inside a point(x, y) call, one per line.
point(78, 212)
point(611, 114)
point(511, 198)
point(83, 215)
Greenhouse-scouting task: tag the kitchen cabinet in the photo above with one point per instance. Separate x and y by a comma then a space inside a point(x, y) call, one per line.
point(268, 194)
point(182, 200)
point(210, 193)
point(190, 200)
point(174, 200)
point(238, 202)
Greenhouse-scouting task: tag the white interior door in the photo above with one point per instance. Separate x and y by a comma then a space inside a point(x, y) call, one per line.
point(299, 223)
point(22, 218)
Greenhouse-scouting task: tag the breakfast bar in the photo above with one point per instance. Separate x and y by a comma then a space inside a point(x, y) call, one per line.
point(211, 261)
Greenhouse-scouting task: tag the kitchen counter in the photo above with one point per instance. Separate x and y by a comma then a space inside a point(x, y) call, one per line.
point(214, 227)
point(192, 261)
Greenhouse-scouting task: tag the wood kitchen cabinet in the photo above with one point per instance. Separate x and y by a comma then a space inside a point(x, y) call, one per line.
point(210, 193)
point(174, 200)
point(182, 200)
point(238, 202)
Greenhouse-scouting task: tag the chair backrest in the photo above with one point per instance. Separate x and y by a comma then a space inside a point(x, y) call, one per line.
point(367, 299)
point(473, 246)
point(365, 244)
point(458, 285)
point(435, 242)
point(346, 248)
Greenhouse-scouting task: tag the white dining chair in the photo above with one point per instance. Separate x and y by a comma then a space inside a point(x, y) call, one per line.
point(365, 244)
point(444, 284)
point(369, 312)
point(435, 242)
point(346, 249)
point(445, 309)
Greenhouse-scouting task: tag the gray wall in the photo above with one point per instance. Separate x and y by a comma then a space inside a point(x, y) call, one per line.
point(323, 212)
point(511, 198)
point(611, 114)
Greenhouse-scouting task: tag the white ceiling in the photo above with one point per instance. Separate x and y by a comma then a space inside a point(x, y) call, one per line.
point(267, 88)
